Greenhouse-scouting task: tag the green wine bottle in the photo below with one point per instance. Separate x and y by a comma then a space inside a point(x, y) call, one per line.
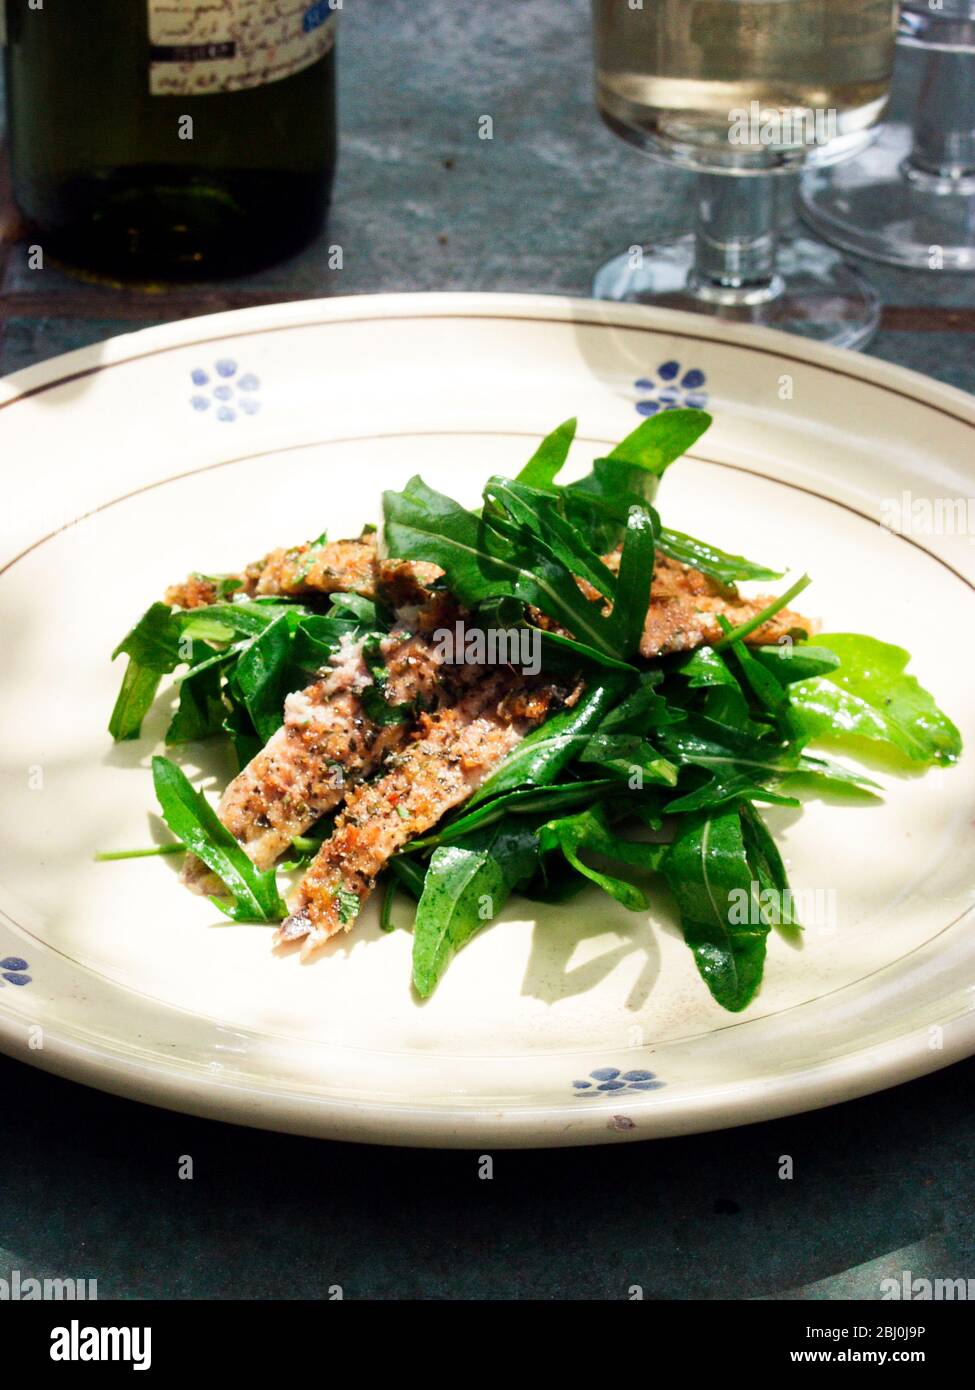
point(171, 139)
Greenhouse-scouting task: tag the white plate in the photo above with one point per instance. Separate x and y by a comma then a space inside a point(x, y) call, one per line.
point(202, 444)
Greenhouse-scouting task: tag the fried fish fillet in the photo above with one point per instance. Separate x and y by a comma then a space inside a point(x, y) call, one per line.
point(451, 755)
point(303, 571)
point(198, 591)
point(684, 604)
point(684, 608)
point(347, 567)
point(326, 744)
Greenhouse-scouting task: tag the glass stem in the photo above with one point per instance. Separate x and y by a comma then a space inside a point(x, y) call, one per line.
point(735, 240)
point(944, 130)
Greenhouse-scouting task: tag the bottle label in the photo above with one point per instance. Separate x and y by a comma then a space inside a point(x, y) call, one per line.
point(199, 47)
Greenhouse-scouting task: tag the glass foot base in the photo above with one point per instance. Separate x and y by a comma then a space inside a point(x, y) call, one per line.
point(879, 207)
point(813, 294)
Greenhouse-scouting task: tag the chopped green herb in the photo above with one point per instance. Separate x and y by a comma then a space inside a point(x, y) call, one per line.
point(349, 905)
point(309, 557)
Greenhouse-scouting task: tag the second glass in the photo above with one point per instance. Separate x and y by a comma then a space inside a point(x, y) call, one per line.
point(740, 91)
point(911, 199)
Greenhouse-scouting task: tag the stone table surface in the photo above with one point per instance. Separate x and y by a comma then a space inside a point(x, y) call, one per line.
point(89, 1184)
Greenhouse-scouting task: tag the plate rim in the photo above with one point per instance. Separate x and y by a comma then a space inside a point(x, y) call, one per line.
point(160, 338)
point(410, 1125)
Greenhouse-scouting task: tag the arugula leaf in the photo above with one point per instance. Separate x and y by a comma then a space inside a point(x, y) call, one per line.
point(204, 628)
point(766, 864)
point(730, 786)
point(726, 697)
point(870, 696)
point(537, 512)
point(522, 801)
point(751, 625)
point(260, 676)
point(152, 647)
point(541, 755)
point(280, 647)
point(740, 765)
point(704, 742)
point(504, 611)
point(826, 770)
point(559, 653)
point(547, 460)
point(314, 642)
point(522, 546)
point(566, 655)
point(642, 710)
point(239, 728)
point(409, 874)
point(661, 439)
point(709, 874)
point(305, 847)
point(193, 820)
point(633, 586)
point(631, 473)
point(218, 622)
point(622, 754)
point(465, 888)
point(763, 682)
point(602, 516)
point(386, 922)
point(481, 562)
point(795, 661)
point(706, 668)
point(588, 830)
point(154, 641)
point(134, 700)
point(201, 710)
point(204, 658)
point(717, 564)
point(358, 611)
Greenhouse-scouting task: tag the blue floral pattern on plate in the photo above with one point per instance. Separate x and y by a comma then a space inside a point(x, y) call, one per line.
point(226, 392)
point(672, 388)
point(13, 971)
point(611, 1081)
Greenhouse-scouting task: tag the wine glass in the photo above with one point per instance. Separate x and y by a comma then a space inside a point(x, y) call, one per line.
point(910, 199)
point(740, 91)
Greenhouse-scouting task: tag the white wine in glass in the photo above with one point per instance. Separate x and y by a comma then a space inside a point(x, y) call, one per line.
point(739, 90)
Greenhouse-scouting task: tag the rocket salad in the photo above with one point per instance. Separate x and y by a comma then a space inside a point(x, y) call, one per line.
point(550, 694)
